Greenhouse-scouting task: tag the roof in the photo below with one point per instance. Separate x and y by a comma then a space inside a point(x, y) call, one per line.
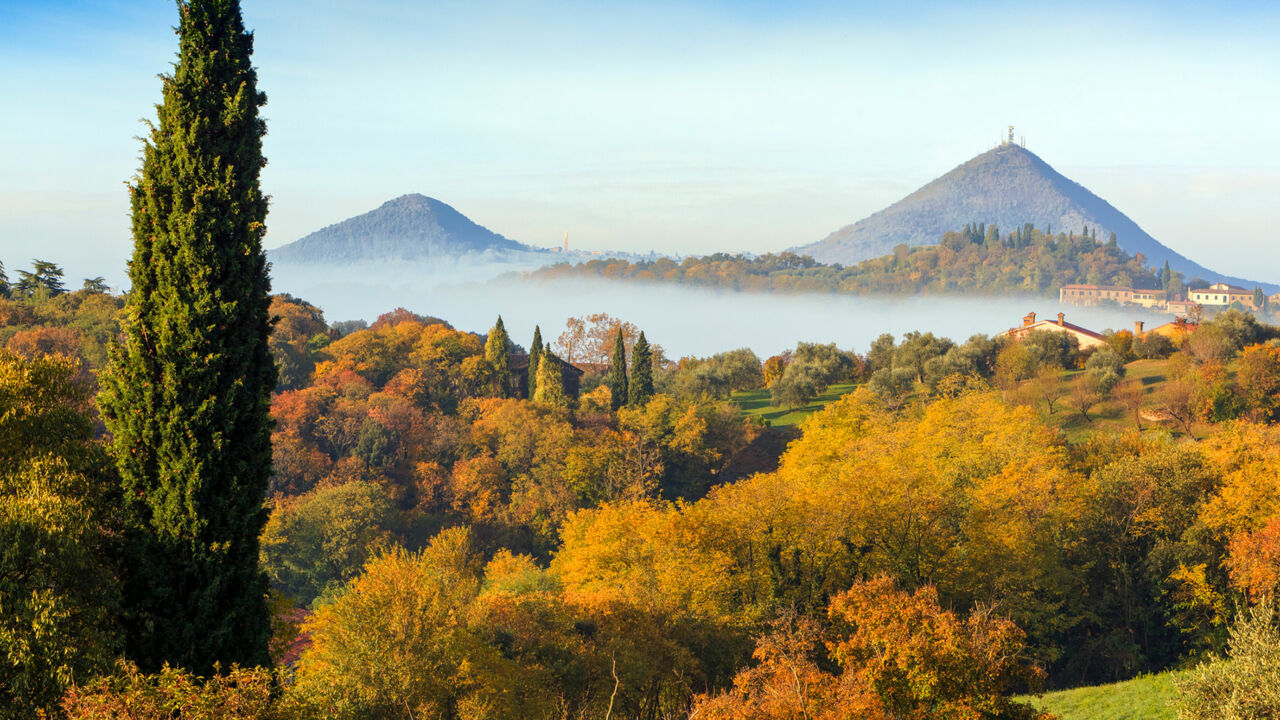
point(1223, 288)
point(1054, 324)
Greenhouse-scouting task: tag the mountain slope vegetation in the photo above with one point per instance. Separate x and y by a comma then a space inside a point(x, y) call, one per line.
point(1006, 186)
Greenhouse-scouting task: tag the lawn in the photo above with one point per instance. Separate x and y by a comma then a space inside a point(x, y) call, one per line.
point(1143, 698)
point(755, 403)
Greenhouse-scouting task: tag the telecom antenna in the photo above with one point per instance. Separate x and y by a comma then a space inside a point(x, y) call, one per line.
point(566, 241)
point(1010, 135)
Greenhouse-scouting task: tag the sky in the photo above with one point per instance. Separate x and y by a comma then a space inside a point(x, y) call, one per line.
point(680, 127)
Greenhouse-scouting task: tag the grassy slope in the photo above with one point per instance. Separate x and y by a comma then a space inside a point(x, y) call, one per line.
point(1142, 698)
point(755, 403)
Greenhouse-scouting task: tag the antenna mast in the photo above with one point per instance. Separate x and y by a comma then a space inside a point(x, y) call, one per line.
point(1010, 142)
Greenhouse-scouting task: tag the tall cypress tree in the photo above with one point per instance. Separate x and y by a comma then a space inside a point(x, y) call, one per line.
point(535, 354)
point(496, 349)
point(641, 389)
point(187, 394)
point(617, 380)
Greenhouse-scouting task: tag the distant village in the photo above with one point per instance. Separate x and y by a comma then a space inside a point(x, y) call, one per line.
point(1218, 296)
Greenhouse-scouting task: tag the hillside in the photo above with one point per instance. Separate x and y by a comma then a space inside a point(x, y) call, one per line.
point(968, 262)
point(410, 227)
point(1007, 186)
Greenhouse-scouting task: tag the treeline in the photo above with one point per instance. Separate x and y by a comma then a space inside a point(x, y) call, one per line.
point(530, 557)
point(978, 259)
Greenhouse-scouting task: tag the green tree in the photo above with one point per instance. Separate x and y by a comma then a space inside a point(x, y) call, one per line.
point(96, 285)
point(4, 282)
point(617, 380)
point(497, 350)
point(57, 592)
point(535, 353)
point(641, 388)
point(44, 276)
point(550, 381)
point(187, 394)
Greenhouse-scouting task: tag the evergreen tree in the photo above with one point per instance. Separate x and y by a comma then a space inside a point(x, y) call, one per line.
point(44, 276)
point(188, 390)
point(1111, 241)
point(4, 283)
point(535, 354)
point(641, 389)
point(550, 381)
point(617, 380)
point(496, 350)
point(96, 285)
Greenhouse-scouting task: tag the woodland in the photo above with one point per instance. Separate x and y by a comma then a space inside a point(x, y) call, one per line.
point(216, 504)
point(978, 259)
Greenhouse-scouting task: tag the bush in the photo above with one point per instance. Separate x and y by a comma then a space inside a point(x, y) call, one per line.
point(1245, 685)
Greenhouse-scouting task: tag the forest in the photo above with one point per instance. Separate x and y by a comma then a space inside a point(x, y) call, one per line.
point(978, 259)
point(217, 504)
point(440, 545)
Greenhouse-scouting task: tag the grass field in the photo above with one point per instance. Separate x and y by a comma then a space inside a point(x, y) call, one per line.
point(755, 403)
point(1143, 698)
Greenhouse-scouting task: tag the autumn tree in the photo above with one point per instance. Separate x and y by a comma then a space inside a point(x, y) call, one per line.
point(641, 381)
point(617, 379)
point(58, 512)
point(187, 396)
point(550, 381)
point(497, 349)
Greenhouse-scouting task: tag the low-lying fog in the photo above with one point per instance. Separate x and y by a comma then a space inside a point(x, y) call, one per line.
point(685, 321)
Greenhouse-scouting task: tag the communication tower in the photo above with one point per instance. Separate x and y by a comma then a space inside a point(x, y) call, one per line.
point(1010, 142)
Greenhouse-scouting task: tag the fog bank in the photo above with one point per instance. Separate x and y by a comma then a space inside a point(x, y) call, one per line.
point(685, 321)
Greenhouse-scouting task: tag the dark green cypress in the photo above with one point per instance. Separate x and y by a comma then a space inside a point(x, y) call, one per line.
point(496, 350)
point(617, 380)
point(4, 282)
point(535, 354)
point(641, 389)
point(187, 395)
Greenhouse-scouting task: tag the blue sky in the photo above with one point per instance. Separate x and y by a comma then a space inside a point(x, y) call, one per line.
point(681, 127)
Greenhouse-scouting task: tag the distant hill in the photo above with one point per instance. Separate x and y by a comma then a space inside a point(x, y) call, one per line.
point(1008, 186)
point(408, 228)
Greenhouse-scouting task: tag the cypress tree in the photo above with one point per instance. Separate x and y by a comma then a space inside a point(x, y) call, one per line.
point(535, 354)
point(641, 389)
point(188, 389)
point(550, 381)
point(496, 349)
point(617, 380)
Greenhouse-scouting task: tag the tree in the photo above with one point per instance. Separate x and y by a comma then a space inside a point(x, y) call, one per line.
point(617, 380)
point(4, 283)
point(58, 596)
point(187, 394)
point(497, 349)
point(44, 276)
point(535, 354)
point(96, 285)
point(641, 388)
point(550, 381)
point(1259, 379)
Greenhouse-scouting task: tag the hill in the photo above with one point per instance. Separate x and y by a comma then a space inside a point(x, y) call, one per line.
point(967, 262)
point(408, 228)
point(1007, 186)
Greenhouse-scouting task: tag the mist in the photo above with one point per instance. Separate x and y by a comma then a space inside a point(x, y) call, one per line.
point(684, 321)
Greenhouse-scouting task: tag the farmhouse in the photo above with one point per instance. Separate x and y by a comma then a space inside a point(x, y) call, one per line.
point(1086, 337)
point(1095, 294)
point(1222, 294)
point(1175, 330)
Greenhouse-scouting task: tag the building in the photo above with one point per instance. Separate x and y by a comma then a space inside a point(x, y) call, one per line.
point(1087, 338)
point(1222, 294)
point(1095, 294)
point(1181, 308)
point(1175, 330)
